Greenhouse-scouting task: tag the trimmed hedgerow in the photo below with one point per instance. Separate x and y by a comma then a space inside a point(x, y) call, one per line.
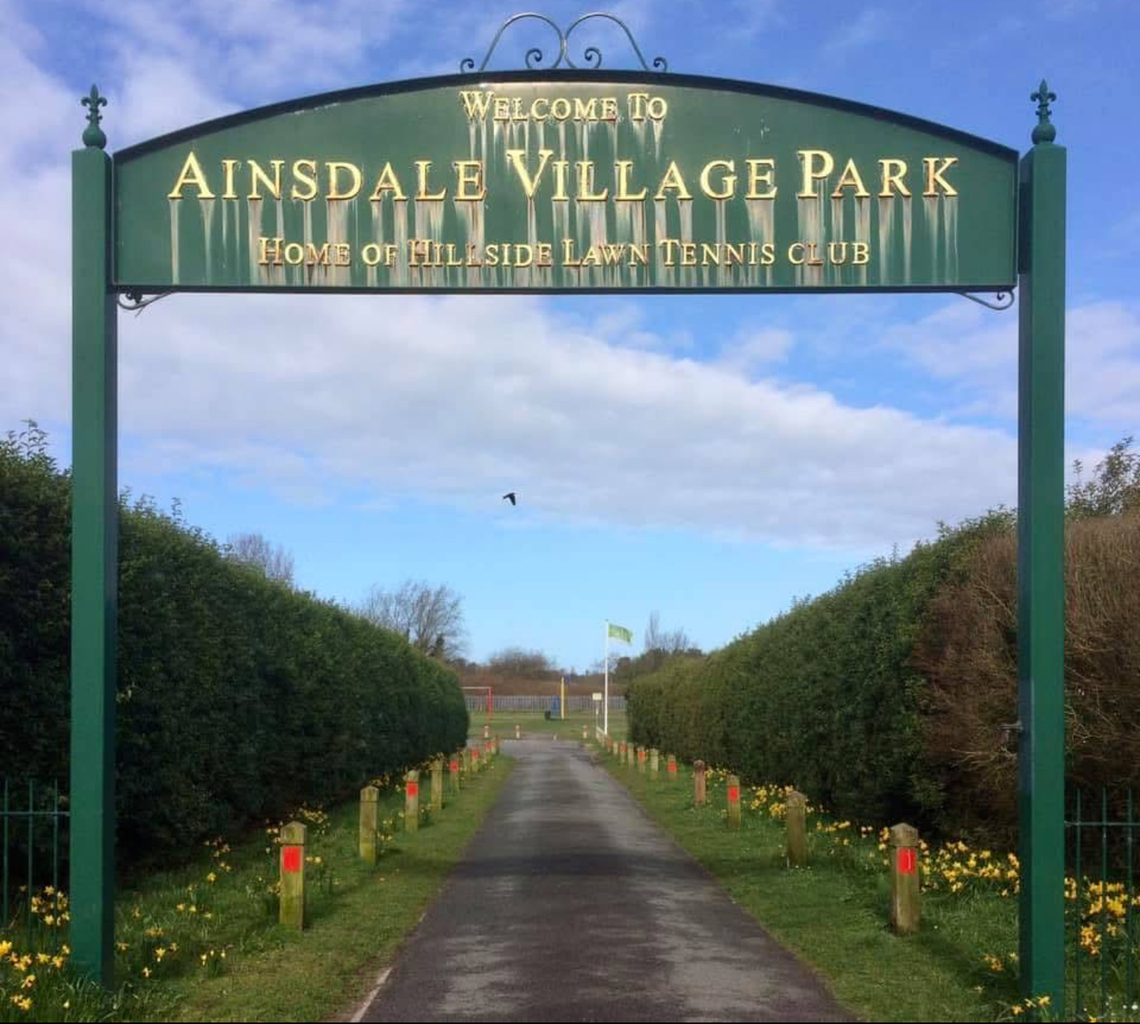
point(238, 697)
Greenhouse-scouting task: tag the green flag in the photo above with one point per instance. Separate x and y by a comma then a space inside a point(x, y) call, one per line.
point(621, 633)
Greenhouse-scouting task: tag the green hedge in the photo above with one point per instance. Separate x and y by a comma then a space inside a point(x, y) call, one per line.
point(238, 697)
point(824, 697)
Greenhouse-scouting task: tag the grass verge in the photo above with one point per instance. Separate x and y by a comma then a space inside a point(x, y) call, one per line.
point(202, 942)
point(570, 727)
point(833, 914)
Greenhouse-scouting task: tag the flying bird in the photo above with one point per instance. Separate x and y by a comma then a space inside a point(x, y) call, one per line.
point(510, 496)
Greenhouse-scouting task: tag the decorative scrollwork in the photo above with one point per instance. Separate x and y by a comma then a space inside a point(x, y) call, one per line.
point(591, 56)
point(135, 302)
point(1004, 300)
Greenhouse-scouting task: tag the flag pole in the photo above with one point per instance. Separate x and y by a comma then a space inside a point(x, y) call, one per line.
point(606, 698)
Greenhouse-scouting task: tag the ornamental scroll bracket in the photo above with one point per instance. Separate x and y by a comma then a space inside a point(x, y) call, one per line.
point(1004, 300)
point(591, 55)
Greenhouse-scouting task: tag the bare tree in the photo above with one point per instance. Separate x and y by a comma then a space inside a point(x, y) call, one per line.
point(255, 550)
point(524, 664)
point(429, 618)
point(667, 641)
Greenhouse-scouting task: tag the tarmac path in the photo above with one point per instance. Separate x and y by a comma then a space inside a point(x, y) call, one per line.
point(571, 905)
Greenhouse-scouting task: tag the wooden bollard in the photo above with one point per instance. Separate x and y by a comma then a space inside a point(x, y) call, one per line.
point(437, 785)
point(412, 801)
point(518, 732)
point(733, 801)
point(654, 763)
point(671, 762)
point(453, 771)
point(699, 783)
point(641, 760)
point(904, 879)
point(486, 732)
point(585, 734)
point(369, 818)
point(797, 829)
point(292, 913)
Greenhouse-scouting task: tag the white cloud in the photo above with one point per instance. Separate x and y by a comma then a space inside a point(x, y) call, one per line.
point(976, 350)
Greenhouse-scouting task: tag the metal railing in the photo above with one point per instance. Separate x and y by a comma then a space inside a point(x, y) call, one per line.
point(32, 831)
point(1104, 961)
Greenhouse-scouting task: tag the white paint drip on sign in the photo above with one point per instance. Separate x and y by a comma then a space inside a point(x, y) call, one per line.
point(863, 231)
point(908, 213)
point(950, 218)
point(660, 233)
point(257, 273)
point(931, 209)
point(886, 237)
point(762, 224)
point(685, 215)
point(400, 237)
point(175, 206)
point(208, 227)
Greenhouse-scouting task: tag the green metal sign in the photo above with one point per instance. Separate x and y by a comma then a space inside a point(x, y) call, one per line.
point(570, 180)
point(576, 181)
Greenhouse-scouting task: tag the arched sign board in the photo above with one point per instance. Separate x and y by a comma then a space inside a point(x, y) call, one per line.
point(570, 181)
point(579, 181)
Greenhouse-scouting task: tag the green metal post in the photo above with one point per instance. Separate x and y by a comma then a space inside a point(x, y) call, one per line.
point(1041, 538)
point(94, 556)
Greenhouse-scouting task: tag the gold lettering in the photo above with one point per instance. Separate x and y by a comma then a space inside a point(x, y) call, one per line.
point(517, 161)
point(309, 180)
point(335, 168)
point(850, 178)
point(387, 182)
point(837, 252)
point(542, 102)
point(294, 253)
point(423, 169)
point(761, 172)
point(560, 109)
point(192, 174)
point(792, 249)
point(502, 108)
point(768, 254)
point(609, 108)
point(258, 177)
point(229, 167)
point(862, 253)
point(893, 173)
point(561, 169)
point(670, 245)
point(266, 257)
point(343, 254)
point(673, 180)
point(728, 182)
point(476, 104)
point(469, 173)
point(586, 110)
point(934, 172)
point(623, 168)
point(370, 254)
point(586, 184)
point(812, 174)
point(316, 255)
point(710, 254)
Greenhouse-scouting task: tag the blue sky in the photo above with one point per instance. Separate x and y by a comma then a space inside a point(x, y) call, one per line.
point(707, 457)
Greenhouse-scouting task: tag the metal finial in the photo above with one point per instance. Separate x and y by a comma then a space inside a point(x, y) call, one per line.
point(93, 136)
point(1045, 130)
